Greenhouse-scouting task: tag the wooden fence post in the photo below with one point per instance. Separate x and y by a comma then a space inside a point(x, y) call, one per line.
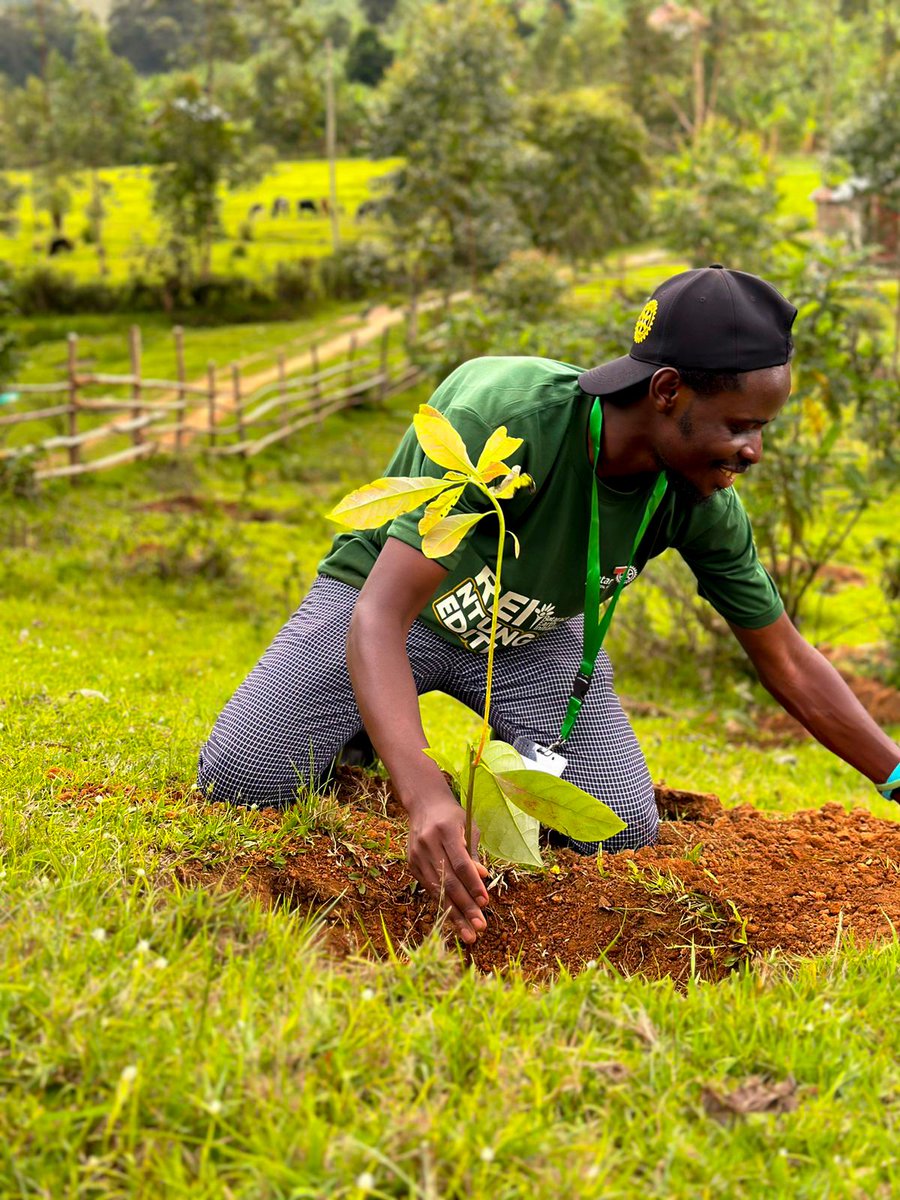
point(178, 333)
point(238, 402)
point(282, 384)
point(137, 408)
point(314, 363)
point(211, 401)
point(351, 354)
point(72, 345)
point(383, 365)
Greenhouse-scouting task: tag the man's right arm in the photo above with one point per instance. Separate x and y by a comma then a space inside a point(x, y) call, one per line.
point(399, 585)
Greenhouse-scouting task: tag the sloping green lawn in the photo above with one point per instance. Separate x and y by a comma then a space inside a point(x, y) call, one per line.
point(160, 1040)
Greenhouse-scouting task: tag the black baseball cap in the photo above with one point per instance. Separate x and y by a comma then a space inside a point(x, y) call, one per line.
point(709, 319)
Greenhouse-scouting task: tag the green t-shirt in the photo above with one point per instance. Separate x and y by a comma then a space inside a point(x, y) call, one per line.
point(539, 400)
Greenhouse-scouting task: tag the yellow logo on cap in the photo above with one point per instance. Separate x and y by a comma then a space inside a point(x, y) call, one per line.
point(644, 323)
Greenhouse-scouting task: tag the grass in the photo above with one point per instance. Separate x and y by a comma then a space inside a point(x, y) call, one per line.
point(103, 341)
point(159, 1040)
point(130, 229)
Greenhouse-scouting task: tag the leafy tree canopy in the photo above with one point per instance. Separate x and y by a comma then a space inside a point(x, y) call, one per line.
point(368, 58)
point(871, 143)
point(30, 32)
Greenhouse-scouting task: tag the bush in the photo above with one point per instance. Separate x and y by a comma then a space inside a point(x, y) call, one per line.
point(528, 285)
point(355, 272)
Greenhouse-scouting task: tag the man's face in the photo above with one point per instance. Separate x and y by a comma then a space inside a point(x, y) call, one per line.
point(705, 442)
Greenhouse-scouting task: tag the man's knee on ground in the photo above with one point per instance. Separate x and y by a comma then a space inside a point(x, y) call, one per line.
point(640, 831)
point(237, 775)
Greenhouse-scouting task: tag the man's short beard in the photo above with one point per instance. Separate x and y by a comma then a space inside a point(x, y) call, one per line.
point(681, 486)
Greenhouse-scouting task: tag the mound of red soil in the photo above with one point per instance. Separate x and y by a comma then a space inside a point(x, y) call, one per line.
point(718, 888)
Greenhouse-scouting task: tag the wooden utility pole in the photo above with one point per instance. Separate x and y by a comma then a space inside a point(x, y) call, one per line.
point(330, 143)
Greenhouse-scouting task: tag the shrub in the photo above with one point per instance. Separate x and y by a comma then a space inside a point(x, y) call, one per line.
point(528, 285)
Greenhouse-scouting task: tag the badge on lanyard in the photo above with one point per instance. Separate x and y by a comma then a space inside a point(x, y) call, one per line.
point(536, 757)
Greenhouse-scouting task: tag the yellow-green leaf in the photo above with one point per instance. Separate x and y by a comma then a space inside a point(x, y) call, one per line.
point(506, 831)
point(439, 508)
point(559, 804)
point(493, 471)
point(441, 442)
point(511, 484)
point(384, 499)
point(448, 533)
point(498, 447)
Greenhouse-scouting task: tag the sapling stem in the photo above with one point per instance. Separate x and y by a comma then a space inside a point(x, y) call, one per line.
point(470, 791)
point(495, 613)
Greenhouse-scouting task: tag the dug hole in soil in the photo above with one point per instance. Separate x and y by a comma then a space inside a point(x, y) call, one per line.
point(718, 888)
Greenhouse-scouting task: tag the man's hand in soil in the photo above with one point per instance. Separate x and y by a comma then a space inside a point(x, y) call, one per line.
point(439, 859)
point(395, 592)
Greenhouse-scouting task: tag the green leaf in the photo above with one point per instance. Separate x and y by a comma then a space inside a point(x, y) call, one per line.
point(441, 442)
point(506, 831)
point(442, 761)
point(384, 499)
point(560, 804)
point(448, 533)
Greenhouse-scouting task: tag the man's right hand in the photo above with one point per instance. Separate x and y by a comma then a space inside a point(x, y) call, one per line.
point(439, 859)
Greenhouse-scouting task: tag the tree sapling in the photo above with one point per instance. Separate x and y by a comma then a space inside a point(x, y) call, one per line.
point(508, 802)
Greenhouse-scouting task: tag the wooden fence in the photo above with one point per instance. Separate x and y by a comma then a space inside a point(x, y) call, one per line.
point(99, 420)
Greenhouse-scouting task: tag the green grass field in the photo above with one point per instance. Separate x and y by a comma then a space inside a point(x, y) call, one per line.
point(159, 1040)
point(130, 229)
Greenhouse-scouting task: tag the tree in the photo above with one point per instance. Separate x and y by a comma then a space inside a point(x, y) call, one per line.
point(377, 11)
point(197, 147)
point(843, 397)
point(287, 105)
point(719, 200)
point(29, 31)
point(156, 35)
point(34, 137)
point(100, 116)
point(582, 190)
point(870, 142)
point(368, 58)
point(448, 107)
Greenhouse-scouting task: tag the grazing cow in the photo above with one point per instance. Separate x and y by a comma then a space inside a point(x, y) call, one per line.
point(325, 206)
point(255, 210)
point(280, 207)
point(368, 208)
point(306, 206)
point(60, 245)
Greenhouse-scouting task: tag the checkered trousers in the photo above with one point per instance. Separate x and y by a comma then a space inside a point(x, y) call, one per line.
point(296, 710)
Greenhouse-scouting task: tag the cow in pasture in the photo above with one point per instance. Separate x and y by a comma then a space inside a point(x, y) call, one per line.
point(60, 245)
point(254, 211)
point(280, 207)
point(306, 206)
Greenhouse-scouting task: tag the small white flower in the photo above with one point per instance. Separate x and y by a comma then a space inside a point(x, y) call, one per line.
point(367, 994)
point(366, 1181)
point(826, 1006)
point(782, 1150)
point(161, 964)
point(99, 935)
point(141, 873)
point(129, 1074)
point(214, 1107)
point(591, 964)
point(143, 946)
point(486, 1154)
point(592, 1172)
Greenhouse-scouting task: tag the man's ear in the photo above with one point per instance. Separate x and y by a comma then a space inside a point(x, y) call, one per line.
point(664, 389)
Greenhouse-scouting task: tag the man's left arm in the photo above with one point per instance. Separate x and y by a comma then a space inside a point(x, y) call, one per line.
point(811, 690)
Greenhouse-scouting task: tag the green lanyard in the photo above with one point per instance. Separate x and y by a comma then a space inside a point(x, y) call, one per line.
point(595, 627)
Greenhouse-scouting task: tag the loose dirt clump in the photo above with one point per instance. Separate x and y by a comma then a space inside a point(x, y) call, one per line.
point(719, 887)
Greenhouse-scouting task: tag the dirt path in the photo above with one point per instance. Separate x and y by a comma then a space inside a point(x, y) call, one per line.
point(377, 320)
